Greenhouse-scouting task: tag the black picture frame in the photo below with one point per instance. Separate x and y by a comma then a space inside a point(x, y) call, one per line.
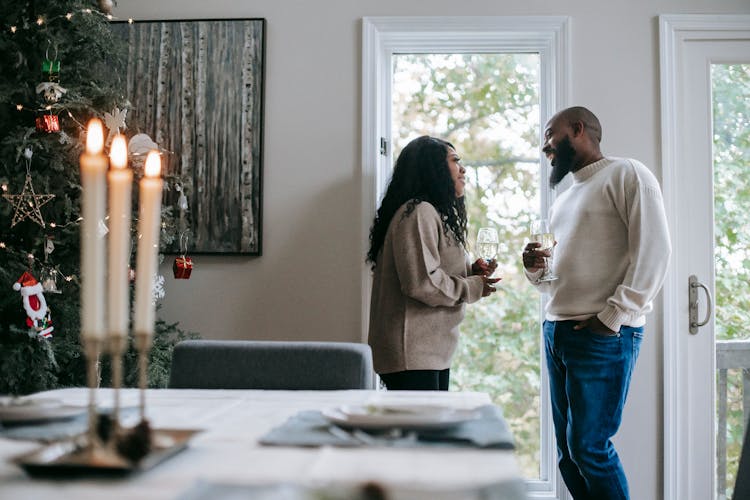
point(196, 88)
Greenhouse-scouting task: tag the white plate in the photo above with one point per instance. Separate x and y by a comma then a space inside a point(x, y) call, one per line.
point(29, 410)
point(398, 416)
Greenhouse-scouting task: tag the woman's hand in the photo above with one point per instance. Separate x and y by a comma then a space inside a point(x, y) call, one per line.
point(488, 287)
point(483, 267)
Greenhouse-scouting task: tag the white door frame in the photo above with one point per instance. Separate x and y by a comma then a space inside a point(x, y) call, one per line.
point(675, 31)
point(384, 36)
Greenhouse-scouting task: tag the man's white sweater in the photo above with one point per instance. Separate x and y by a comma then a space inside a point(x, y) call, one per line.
point(612, 245)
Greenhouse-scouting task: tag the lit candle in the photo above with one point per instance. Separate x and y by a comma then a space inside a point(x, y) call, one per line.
point(120, 186)
point(149, 220)
point(93, 165)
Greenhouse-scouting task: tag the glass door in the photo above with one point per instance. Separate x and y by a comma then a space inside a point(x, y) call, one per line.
point(730, 102)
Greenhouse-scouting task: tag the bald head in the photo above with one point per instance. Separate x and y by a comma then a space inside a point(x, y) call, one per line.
point(579, 114)
point(571, 141)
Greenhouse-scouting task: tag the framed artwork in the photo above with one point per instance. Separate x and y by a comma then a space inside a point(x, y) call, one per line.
point(196, 90)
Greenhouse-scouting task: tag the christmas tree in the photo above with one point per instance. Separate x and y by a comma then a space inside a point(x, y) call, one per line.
point(60, 65)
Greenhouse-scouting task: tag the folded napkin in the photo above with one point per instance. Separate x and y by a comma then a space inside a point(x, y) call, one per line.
point(202, 490)
point(52, 430)
point(311, 428)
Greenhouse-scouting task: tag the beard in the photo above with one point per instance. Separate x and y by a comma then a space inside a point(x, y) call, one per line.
point(562, 162)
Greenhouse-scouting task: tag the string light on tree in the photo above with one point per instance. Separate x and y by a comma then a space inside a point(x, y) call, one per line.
point(44, 20)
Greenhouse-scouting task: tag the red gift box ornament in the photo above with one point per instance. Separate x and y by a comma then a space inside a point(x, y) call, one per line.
point(182, 267)
point(47, 123)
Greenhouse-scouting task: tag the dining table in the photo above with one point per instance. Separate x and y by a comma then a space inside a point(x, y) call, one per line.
point(228, 452)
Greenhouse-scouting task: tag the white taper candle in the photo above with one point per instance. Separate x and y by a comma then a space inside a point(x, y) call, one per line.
point(120, 190)
point(93, 165)
point(149, 220)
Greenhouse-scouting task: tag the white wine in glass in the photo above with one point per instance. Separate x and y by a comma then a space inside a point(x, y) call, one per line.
point(542, 234)
point(487, 243)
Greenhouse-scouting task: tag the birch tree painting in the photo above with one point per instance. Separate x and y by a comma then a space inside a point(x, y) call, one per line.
point(196, 89)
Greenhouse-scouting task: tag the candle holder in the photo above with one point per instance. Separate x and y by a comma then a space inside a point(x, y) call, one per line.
point(142, 346)
point(117, 345)
point(122, 450)
point(91, 451)
point(91, 354)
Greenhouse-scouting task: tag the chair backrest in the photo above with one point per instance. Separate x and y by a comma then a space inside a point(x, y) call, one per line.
point(254, 364)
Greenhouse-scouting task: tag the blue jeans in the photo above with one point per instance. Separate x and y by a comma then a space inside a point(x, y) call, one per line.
point(589, 376)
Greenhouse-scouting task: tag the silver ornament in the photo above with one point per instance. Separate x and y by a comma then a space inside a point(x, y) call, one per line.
point(106, 6)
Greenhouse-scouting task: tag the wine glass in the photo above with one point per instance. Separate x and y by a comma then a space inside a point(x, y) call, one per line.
point(487, 243)
point(541, 233)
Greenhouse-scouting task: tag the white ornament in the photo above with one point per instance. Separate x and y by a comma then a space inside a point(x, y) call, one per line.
point(52, 91)
point(101, 229)
point(158, 289)
point(141, 144)
point(182, 201)
point(115, 121)
point(106, 6)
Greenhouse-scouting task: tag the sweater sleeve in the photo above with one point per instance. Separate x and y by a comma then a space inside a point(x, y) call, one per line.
point(418, 262)
point(649, 251)
point(533, 278)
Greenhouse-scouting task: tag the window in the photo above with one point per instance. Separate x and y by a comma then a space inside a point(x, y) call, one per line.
point(507, 179)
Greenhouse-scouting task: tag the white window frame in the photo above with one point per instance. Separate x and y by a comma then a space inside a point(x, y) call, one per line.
point(382, 37)
point(675, 32)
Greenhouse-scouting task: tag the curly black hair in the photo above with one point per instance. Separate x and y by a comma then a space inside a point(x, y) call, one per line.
point(421, 174)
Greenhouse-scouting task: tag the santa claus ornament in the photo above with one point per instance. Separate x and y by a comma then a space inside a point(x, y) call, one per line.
point(37, 312)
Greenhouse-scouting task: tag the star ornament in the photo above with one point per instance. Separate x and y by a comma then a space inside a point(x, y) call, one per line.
point(27, 204)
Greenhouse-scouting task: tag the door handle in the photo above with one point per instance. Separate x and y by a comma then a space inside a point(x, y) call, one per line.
point(693, 286)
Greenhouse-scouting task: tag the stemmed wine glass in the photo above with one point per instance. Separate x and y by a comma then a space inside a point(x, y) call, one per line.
point(487, 243)
point(541, 233)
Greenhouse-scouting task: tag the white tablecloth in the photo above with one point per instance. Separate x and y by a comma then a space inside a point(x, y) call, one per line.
point(227, 449)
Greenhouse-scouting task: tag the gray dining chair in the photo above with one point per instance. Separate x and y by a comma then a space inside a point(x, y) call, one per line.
point(256, 364)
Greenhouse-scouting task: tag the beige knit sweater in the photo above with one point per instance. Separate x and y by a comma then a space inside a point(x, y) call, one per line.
point(612, 245)
point(420, 287)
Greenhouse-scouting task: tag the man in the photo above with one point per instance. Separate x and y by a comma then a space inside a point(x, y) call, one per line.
point(611, 254)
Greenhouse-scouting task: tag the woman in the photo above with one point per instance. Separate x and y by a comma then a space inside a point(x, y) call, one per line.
point(421, 273)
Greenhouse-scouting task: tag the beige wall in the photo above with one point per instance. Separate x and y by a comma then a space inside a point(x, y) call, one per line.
point(307, 283)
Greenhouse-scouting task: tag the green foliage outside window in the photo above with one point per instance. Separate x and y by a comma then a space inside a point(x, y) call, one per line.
point(731, 143)
point(487, 106)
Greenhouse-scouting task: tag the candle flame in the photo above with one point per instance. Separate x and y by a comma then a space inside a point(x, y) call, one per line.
point(153, 164)
point(118, 152)
point(95, 137)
